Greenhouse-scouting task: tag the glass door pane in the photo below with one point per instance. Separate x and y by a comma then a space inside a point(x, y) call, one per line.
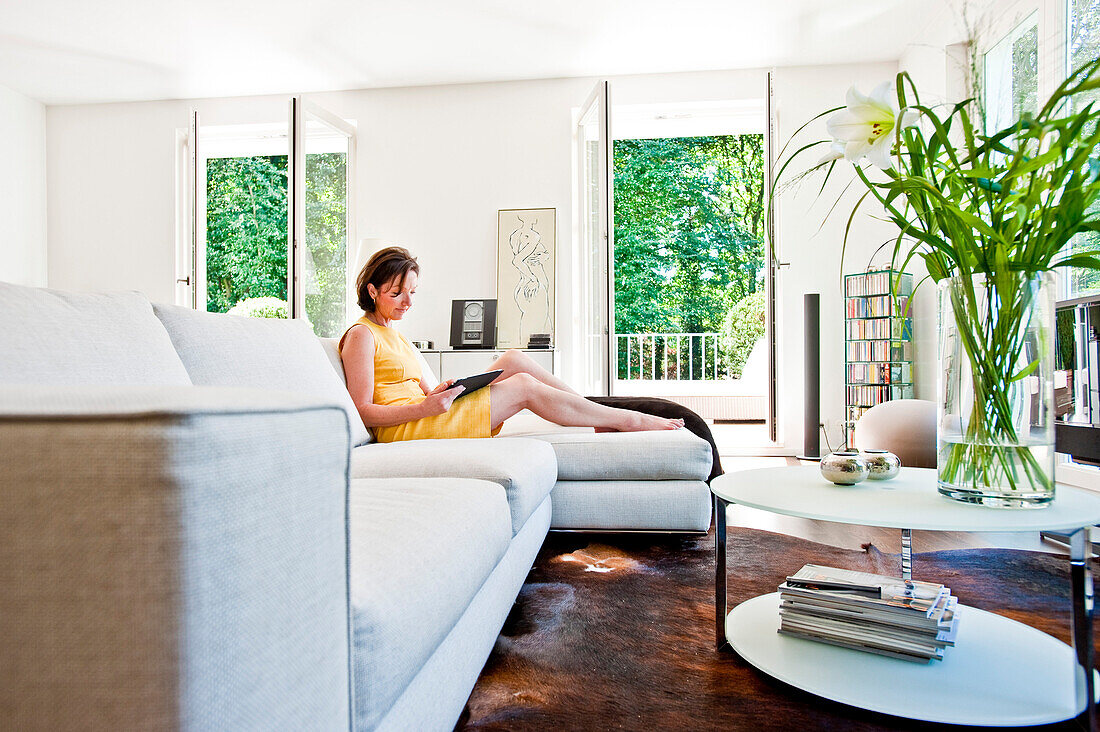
point(1012, 76)
point(324, 149)
point(594, 166)
point(241, 247)
point(1084, 45)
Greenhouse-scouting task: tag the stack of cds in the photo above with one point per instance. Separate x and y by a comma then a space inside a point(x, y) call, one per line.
point(903, 619)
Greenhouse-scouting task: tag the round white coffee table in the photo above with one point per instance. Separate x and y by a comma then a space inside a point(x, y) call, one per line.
point(1000, 672)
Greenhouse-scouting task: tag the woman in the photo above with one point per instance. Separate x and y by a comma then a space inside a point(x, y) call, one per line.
point(386, 384)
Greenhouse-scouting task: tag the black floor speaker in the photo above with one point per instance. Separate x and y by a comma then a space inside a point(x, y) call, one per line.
point(811, 433)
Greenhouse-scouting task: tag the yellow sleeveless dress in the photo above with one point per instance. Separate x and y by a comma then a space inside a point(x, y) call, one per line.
point(397, 381)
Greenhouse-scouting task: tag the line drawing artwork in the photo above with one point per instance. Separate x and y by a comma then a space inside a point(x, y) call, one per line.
point(526, 274)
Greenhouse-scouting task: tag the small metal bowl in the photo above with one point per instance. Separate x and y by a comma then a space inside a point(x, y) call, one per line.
point(882, 464)
point(844, 468)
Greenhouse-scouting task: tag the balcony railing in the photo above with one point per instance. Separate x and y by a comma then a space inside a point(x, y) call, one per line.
point(672, 356)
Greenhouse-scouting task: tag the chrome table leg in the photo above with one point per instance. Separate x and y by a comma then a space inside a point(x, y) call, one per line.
point(907, 554)
point(1080, 577)
point(720, 574)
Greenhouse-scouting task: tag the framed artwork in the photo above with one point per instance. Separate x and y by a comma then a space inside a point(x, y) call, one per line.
point(526, 239)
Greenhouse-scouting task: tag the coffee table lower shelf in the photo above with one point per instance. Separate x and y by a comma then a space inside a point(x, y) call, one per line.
point(1000, 672)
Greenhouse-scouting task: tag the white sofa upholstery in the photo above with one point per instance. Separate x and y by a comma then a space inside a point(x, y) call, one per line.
point(163, 566)
point(525, 468)
point(439, 540)
point(184, 553)
point(633, 481)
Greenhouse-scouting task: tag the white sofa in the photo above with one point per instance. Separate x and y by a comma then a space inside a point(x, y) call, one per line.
point(197, 533)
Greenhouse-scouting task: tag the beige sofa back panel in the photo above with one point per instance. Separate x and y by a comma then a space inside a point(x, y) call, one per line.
point(227, 350)
point(84, 339)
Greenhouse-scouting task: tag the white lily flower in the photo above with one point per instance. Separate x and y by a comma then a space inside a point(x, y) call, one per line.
point(868, 126)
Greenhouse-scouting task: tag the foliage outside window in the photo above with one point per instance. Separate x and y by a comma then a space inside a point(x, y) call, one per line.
point(261, 307)
point(689, 239)
point(245, 229)
point(325, 254)
point(246, 235)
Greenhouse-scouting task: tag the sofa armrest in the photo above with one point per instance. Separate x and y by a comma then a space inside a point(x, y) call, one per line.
point(173, 558)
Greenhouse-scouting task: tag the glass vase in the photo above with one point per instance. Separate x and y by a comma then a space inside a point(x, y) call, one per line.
point(996, 392)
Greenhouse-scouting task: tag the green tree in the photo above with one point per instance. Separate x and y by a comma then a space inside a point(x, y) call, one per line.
point(689, 216)
point(246, 234)
point(246, 219)
point(743, 327)
point(325, 277)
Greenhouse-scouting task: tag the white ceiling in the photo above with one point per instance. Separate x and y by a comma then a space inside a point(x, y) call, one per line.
point(80, 51)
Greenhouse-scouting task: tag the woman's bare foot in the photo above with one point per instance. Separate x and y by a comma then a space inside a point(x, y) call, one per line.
point(639, 422)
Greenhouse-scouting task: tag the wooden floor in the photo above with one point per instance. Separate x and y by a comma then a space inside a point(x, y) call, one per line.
point(853, 537)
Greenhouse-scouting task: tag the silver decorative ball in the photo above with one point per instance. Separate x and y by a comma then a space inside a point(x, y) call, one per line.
point(844, 468)
point(882, 464)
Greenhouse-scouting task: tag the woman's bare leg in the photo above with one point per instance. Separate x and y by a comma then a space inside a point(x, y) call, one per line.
point(524, 391)
point(517, 362)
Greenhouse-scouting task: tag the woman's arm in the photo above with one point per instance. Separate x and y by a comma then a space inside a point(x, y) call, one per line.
point(357, 356)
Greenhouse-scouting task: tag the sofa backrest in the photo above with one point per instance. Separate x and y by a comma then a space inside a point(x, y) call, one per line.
point(331, 347)
point(67, 338)
point(332, 350)
point(227, 350)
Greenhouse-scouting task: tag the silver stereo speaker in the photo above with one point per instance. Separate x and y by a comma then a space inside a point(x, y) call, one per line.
point(473, 323)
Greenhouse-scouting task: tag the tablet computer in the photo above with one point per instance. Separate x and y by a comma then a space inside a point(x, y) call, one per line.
point(475, 382)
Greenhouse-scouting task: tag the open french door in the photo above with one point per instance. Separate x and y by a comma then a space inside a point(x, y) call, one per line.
point(597, 360)
point(295, 246)
point(320, 221)
point(191, 202)
point(771, 264)
point(593, 260)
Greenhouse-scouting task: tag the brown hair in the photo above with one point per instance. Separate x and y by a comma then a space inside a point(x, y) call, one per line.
point(386, 265)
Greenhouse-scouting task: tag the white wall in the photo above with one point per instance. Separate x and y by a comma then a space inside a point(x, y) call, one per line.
point(434, 165)
point(22, 189)
point(113, 190)
point(810, 239)
point(938, 64)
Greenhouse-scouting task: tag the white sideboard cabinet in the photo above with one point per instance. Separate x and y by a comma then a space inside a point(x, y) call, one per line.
point(456, 364)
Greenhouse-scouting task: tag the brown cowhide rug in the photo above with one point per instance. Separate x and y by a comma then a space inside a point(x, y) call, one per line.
point(616, 632)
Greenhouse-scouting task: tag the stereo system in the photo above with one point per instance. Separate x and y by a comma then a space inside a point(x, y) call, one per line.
point(473, 323)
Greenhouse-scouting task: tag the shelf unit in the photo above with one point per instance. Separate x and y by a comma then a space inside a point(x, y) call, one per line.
point(878, 340)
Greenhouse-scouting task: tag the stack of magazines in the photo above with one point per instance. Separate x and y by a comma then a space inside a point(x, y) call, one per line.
point(903, 619)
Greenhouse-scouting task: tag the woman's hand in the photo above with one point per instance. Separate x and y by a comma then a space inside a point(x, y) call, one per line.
point(440, 398)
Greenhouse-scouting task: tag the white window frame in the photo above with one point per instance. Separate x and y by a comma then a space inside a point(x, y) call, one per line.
point(1053, 22)
point(998, 87)
point(196, 145)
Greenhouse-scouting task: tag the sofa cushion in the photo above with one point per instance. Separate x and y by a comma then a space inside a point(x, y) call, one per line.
point(227, 350)
point(643, 505)
point(83, 339)
point(525, 468)
point(656, 455)
point(420, 552)
point(528, 424)
point(331, 347)
point(332, 350)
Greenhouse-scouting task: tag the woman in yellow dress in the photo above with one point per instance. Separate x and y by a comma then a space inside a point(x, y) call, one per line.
point(387, 386)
